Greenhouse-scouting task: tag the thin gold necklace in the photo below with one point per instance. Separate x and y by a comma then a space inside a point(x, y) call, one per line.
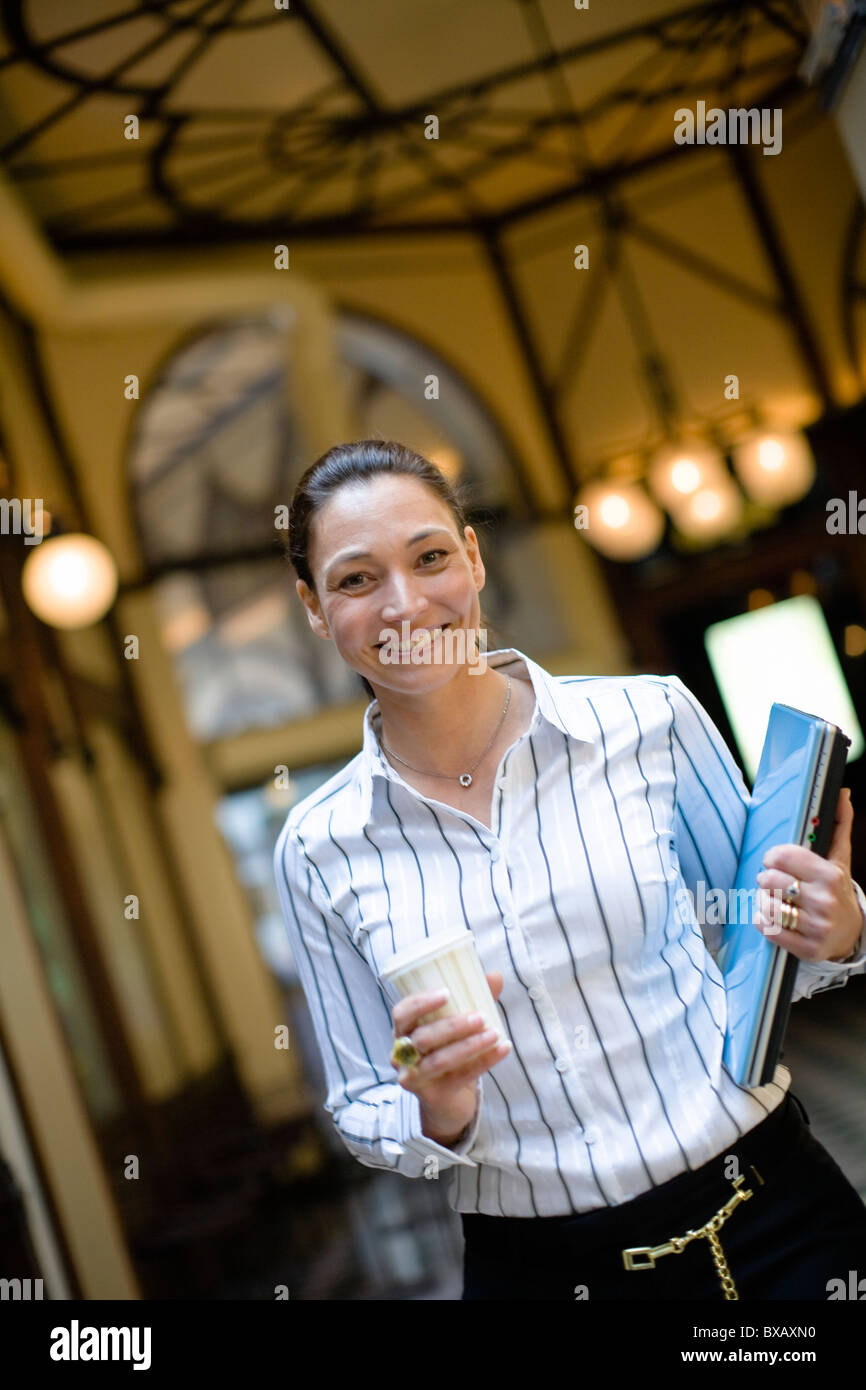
point(465, 778)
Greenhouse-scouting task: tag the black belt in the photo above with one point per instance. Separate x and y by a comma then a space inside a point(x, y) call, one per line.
point(708, 1231)
point(766, 1142)
point(761, 1154)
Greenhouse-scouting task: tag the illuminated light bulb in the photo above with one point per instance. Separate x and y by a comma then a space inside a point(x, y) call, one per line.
point(707, 504)
point(615, 510)
point(70, 581)
point(771, 454)
point(680, 471)
point(711, 513)
point(685, 475)
point(776, 467)
point(621, 521)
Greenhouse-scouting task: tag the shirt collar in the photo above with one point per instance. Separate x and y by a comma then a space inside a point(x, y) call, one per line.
point(561, 705)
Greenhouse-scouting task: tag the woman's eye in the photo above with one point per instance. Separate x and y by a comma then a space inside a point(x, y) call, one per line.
point(345, 582)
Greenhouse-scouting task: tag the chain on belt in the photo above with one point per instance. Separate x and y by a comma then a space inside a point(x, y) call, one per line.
point(709, 1231)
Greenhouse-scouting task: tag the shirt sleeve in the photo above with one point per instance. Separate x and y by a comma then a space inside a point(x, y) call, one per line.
point(378, 1120)
point(712, 802)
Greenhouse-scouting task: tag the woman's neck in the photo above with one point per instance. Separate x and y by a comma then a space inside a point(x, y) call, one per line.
point(447, 727)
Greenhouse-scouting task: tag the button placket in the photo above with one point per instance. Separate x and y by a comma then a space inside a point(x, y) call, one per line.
point(565, 1062)
point(562, 1059)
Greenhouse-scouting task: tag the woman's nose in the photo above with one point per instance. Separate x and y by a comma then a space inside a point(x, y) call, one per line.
point(404, 599)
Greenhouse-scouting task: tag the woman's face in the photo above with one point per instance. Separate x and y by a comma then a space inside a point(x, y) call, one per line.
point(402, 576)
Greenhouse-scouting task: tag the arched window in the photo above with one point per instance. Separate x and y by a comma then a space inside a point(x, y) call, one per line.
point(215, 448)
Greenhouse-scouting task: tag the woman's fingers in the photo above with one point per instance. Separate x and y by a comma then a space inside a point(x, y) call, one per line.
point(457, 1077)
point(483, 1062)
point(408, 1011)
point(454, 1055)
point(456, 1049)
point(495, 981)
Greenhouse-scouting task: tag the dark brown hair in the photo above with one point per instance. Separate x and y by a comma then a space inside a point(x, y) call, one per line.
point(356, 462)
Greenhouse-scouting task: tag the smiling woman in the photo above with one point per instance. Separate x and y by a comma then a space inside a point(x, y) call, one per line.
point(553, 819)
point(320, 520)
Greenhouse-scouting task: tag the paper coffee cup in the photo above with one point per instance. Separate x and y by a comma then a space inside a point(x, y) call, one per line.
point(448, 961)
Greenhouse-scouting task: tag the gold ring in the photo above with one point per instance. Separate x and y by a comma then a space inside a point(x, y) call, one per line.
point(789, 916)
point(792, 892)
point(404, 1053)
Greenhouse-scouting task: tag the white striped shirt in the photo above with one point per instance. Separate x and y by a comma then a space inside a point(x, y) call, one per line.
point(620, 793)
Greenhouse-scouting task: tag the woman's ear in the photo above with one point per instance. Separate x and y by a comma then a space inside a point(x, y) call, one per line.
point(474, 554)
point(314, 610)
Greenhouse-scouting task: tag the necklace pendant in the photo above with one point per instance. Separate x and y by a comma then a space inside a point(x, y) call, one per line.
point(465, 779)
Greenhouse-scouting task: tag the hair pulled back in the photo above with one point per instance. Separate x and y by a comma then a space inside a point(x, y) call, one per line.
point(356, 462)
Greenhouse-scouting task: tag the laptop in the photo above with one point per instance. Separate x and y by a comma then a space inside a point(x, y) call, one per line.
point(794, 801)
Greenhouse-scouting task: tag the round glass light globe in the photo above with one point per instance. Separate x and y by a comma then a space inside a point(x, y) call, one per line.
point(622, 521)
point(70, 581)
point(776, 467)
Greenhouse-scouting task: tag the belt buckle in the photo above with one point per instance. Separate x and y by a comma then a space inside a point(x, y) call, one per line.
point(629, 1257)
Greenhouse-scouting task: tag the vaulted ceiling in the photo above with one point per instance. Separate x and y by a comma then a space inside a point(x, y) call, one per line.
point(553, 125)
point(255, 119)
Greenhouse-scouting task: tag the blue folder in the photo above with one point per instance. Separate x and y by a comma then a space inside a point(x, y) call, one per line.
point(794, 801)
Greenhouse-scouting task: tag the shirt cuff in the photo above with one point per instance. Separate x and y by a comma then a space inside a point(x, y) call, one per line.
point(858, 952)
point(465, 1144)
point(419, 1143)
point(837, 971)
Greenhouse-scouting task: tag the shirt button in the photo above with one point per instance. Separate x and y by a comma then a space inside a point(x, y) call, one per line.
point(508, 923)
point(590, 1136)
point(536, 992)
point(562, 1064)
point(495, 853)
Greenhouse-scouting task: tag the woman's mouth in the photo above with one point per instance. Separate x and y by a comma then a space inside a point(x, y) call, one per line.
point(418, 639)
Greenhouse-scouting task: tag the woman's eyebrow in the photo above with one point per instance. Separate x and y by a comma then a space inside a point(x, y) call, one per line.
point(365, 554)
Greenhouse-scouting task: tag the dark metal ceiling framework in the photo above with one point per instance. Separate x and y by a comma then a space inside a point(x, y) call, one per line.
point(345, 128)
point(304, 147)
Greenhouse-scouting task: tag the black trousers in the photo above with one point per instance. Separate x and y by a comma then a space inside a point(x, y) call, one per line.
point(805, 1226)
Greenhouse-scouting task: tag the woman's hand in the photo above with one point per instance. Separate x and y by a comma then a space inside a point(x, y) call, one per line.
point(830, 920)
point(455, 1052)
